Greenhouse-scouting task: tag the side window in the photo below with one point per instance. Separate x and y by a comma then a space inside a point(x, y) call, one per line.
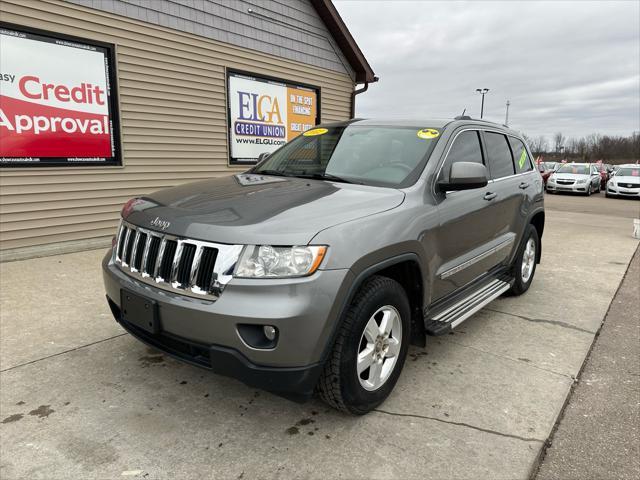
point(466, 148)
point(499, 153)
point(522, 160)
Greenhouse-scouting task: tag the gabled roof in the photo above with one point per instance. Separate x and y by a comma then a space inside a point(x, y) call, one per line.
point(344, 39)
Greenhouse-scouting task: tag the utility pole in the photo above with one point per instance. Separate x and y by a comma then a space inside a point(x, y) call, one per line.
point(483, 92)
point(506, 118)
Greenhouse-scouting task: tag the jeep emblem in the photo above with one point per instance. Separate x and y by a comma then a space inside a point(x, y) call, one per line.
point(159, 223)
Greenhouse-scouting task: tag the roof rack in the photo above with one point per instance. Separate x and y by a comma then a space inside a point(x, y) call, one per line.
point(467, 117)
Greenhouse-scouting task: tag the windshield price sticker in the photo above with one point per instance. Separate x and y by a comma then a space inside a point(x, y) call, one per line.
point(427, 133)
point(315, 131)
point(523, 159)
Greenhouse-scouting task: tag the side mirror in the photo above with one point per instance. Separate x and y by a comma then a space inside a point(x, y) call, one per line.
point(263, 156)
point(465, 176)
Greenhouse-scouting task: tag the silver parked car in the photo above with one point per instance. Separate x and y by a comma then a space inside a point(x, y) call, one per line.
point(625, 182)
point(575, 178)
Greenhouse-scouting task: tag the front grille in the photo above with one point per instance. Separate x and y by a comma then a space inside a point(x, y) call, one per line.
point(630, 185)
point(191, 267)
point(565, 182)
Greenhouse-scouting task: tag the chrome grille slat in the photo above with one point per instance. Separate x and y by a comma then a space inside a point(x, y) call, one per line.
point(149, 255)
point(125, 253)
point(163, 246)
point(195, 265)
point(119, 244)
point(145, 254)
point(134, 251)
point(174, 266)
point(151, 261)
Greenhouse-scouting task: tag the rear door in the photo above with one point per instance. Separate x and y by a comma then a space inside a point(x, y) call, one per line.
point(509, 183)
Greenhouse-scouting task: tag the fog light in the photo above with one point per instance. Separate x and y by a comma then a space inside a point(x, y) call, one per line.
point(270, 332)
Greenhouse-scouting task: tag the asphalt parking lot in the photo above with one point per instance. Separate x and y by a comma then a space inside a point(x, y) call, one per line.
point(79, 398)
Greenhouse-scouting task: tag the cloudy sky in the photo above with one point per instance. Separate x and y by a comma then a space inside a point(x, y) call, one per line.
point(569, 66)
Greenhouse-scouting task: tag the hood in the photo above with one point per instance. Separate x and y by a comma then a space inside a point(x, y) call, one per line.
point(258, 209)
point(626, 179)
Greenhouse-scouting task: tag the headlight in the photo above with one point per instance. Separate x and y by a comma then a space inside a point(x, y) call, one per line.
point(581, 181)
point(552, 179)
point(265, 261)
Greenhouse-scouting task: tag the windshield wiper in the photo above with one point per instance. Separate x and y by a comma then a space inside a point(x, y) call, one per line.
point(327, 176)
point(275, 173)
point(314, 176)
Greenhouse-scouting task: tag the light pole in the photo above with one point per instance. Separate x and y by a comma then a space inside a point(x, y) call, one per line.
point(506, 117)
point(483, 92)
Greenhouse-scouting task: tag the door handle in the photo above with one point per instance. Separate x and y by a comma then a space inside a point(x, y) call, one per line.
point(490, 195)
point(524, 185)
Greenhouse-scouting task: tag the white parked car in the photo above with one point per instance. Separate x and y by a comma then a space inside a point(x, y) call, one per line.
point(575, 178)
point(625, 182)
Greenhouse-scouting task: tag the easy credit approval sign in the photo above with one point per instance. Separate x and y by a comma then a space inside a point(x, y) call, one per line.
point(265, 113)
point(56, 103)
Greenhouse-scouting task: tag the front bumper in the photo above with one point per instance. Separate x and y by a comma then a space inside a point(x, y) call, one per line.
point(623, 191)
point(575, 188)
point(205, 332)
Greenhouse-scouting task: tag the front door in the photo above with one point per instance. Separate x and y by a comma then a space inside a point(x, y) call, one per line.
point(466, 227)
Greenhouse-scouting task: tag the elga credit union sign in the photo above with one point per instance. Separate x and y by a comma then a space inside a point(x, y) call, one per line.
point(57, 106)
point(265, 113)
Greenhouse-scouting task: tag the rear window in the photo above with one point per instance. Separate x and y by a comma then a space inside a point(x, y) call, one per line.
point(520, 156)
point(499, 153)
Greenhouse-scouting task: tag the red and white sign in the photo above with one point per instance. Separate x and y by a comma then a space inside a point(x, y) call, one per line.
point(55, 103)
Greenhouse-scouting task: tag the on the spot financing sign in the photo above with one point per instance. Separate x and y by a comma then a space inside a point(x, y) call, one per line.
point(264, 114)
point(56, 107)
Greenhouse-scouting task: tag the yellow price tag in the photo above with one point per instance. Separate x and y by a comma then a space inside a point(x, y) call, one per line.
point(315, 131)
point(427, 133)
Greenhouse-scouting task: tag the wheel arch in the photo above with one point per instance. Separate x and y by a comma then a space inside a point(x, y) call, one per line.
point(537, 220)
point(392, 267)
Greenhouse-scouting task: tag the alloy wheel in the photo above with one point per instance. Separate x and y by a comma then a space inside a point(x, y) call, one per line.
point(379, 348)
point(528, 260)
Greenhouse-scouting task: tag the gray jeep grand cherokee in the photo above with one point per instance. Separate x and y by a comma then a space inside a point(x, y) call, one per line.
point(316, 269)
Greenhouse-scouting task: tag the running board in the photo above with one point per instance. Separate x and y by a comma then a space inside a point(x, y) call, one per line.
point(446, 320)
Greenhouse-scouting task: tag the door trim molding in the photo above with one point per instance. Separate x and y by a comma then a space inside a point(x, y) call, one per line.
point(466, 264)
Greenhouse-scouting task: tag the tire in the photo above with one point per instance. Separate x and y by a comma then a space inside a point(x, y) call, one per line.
point(589, 188)
point(522, 283)
point(340, 385)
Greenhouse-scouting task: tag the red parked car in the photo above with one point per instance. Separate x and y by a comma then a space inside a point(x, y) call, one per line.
point(604, 174)
point(546, 169)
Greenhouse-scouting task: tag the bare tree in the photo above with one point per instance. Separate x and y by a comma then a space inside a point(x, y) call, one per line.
point(558, 140)
point(538, 145)
point(590, 148)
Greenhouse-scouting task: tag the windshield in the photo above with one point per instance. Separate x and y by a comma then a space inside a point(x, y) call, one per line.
point(628, 172)
point(544, 166)
point(576, 169)
point(369, 155)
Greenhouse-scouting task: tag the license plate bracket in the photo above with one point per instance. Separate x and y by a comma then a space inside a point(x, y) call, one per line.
point(139, 311)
